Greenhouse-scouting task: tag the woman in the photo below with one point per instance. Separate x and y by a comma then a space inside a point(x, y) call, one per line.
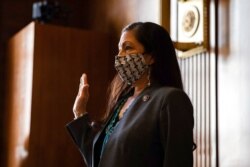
point(149, 119)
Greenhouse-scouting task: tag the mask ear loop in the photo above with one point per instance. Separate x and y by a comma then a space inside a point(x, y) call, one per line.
point(149, 76)
point(149, 71)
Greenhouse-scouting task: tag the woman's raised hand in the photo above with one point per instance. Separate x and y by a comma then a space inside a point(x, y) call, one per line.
point(82, 97)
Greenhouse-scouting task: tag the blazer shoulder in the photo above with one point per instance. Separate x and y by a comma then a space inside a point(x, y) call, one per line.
point(167, 91)
point(171, 94)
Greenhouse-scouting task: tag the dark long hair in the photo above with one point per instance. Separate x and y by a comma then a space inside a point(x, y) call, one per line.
point(165, 69)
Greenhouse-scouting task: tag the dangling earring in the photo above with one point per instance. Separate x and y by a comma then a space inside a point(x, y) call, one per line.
point(149, 76)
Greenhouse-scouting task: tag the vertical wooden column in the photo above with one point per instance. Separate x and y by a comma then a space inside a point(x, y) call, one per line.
point(20, 72)
point(45, 66)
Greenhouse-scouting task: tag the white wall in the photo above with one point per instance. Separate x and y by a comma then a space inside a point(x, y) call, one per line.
point(233, 83)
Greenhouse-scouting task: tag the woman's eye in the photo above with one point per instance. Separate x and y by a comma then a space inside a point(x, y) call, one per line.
point(128, 47)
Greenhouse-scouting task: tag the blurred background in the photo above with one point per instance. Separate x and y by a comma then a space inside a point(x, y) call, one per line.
point(38, 86)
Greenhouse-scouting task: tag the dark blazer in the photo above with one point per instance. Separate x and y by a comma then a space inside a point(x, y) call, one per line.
point(155, 131)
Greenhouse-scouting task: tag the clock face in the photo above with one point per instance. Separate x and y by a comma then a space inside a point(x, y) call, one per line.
point(190, 21)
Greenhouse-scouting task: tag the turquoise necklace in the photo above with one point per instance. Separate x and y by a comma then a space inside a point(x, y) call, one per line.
point(113, 122)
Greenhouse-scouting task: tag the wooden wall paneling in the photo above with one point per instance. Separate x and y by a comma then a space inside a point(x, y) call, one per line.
point(196, 72)
point(199, 78)
point(60, 56)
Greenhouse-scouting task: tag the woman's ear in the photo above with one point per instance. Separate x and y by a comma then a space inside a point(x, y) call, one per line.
point(150, 60)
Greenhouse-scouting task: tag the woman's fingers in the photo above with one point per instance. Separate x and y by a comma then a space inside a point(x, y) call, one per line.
point(82, 97)
point(84, 79)
point(84, 86)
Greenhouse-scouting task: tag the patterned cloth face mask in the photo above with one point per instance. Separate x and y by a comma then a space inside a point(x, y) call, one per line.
point(130, 67)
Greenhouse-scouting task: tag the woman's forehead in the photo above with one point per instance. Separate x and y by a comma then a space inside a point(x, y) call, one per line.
point(127, 37)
